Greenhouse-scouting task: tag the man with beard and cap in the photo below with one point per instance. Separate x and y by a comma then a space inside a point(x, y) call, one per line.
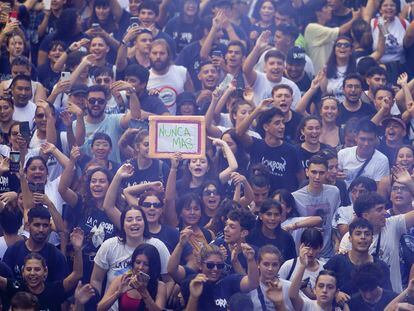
point(167, 79)
point(96, 120)
point(21, 91)
point(39, 229)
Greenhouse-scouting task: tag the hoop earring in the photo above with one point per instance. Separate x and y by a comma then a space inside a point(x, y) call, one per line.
point(302, 137)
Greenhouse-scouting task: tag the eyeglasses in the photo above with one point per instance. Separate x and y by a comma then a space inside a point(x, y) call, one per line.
point(96, 101)
point(103, 80)
point(397, 188)
point(211, 265)
point(343, 45)
point(40, 116)
point(210, 192)
point(149, 204)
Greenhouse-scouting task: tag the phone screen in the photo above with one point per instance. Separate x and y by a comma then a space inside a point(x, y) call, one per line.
point(14, 161)
point(25, 129)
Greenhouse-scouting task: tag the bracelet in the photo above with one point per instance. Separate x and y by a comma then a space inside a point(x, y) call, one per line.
point(124, 43)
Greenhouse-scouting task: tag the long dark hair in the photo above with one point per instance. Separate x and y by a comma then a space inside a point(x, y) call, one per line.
point(287, 198)
point(154, 261)
point(186, 201)
point(122, 233)
point(241, 155)
point(108, 25)
point(267, 205)
point(332, 65)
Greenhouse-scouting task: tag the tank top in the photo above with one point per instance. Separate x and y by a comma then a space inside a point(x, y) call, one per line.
point(127, 303)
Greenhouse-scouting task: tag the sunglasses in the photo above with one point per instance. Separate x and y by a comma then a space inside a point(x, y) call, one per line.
point(211, 265)
point(343, 45)
point(96, 101)
point(210, 192)
point(149, 204)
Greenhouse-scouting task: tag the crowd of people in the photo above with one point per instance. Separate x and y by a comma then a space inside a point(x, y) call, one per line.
point(302, 201)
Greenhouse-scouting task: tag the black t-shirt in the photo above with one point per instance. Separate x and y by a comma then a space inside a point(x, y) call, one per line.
point(282, 161)
point(47, 76)
point(291, 127)
point(366, 110)
point(50, 299)
point(152, 104)
point(338, 20)
point(215, 295)
point(182, 33)
point(303, 84)
point(284, 241)
point(357, 303)
point(158, 171)
point(343, 268)
point(55, 261)
point(9, 182)
point(305, 155)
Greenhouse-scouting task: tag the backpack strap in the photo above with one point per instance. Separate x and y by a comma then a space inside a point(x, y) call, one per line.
point(292, 268)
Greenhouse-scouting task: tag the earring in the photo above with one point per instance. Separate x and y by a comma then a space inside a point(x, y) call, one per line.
point(302, 137)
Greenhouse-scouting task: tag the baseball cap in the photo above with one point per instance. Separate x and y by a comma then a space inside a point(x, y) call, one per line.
point(296, 56)
point(185, 97)
point(221, 3)
point(386, 121)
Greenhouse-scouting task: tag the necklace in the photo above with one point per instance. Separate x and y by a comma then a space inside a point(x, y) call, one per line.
point(358, 158)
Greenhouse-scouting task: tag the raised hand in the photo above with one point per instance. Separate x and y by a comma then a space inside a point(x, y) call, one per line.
point(265, 105)
point(303, 254)
point(122, 86)
point(217, 141)
point(4, 165)
point(176, 159)
point(83, 293)
point(263, 41)
point(74, 109)
point(185, 235)
point(156, 186)
point(237, 178)
point(402, 79)
point(76, 238)
point(248, 94)
point(197, 285)
point(248, 251)
point(125, 171)
point(75, 46)
point(75, 153)
point(124, 285)
point(235, 250)
point(401, 175)
point(274, 292)
point(47, 148)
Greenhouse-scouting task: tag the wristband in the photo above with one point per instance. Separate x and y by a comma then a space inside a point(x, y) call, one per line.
point(124, 43)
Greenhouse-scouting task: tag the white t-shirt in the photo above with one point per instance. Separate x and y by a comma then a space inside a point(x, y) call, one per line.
point(395, 226)
point(343, 216)
point(269, 305)
point(262, 89)
point(312, 275)
point(169, 85)
point(312, 305)
point(376, 168)
point(324, 205)
point(394, 49)
point(25, 113)
point(296, 234)
point(115, 257)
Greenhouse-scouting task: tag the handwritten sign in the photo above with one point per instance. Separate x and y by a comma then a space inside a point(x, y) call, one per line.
point(171, 134)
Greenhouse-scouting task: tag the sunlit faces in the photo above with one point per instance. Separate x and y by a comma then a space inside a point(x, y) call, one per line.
point(275, 127)
point(198, 167)
point(282, 19)
point(39, 229)
point(190, 8)
point(57, 4)
point(394, 132)
point(152, 208)
point(15, 45)
point(133, 7)
point(388, 10)
point(343, 49)
point(285, 208)
point(99, 48)
point(142, 147)
point(405, 157)
point(102, 12)
point(135, 82)
point(312, 131)
point(21, 92)
point(366, 143)
point(141, 264)
point(267, 11)
point(143, 43)
point(191, 214)
point(211, 197)
point(325, 289)
point(20, 70)
point(34, 273)
point(147, 17)
point(40, 119)
point(99, 185)
point(316, 174)
point(101, 149)
point(55, 52)
point(382, 96)
point(329, 110)
point(295, 71)
point(376, 215)
point(325, 13)
point(159, 57)
point(104, 80)
point(14, 132)
point(36, 172)
point(361, 239)
point(234, 56)
point(96, 104)
point(6, 111)
point(269, 266)
point(282, 99)
point(213, 274)
point(134, 224)
point(401, 195)
point(332, 171)
point(233, 232)
point(357, 191)
point(271, 218)
point(208, 76)
point(274, 68)
point(242, 112)
point(352, 90)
